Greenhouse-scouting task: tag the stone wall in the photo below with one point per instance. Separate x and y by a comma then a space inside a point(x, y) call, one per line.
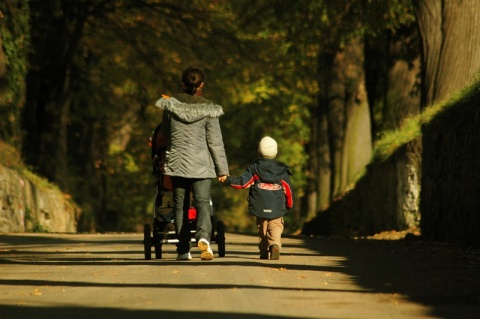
point(386, 198)
point(26, 207)
point(450, 198)
point(442, 194)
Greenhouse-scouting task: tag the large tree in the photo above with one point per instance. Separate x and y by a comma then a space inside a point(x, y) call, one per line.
point(451, 57)
point(451, 45)
point(392, 64)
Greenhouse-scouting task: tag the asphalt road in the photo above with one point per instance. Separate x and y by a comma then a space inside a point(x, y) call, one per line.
point(106, 276)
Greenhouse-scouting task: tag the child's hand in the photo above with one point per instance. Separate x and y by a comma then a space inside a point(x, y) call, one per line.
point(222, 178)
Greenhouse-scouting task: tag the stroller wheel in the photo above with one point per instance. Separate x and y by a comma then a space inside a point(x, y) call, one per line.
point(221, 238)
point(157, 238)
point(147, 242)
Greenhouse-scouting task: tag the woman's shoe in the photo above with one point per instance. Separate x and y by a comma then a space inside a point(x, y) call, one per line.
point(206, 252)
point(186, 256)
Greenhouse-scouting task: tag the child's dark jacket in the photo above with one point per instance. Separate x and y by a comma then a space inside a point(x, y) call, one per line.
point(271, 191)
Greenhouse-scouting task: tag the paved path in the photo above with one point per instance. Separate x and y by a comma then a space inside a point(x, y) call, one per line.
point(94, 276)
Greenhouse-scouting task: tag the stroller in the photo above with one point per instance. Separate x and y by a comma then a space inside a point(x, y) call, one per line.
point(162, 230)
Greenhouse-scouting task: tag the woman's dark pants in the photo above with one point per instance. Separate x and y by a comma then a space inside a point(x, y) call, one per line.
point(181, 203)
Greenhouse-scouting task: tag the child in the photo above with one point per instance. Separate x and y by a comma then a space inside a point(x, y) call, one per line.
point(270, 196)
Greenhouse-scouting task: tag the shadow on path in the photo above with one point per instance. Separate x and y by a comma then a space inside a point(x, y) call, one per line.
point(443, 277)
point(12, 312)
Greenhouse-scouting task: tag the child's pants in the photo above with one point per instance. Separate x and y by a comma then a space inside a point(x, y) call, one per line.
point(269, 232)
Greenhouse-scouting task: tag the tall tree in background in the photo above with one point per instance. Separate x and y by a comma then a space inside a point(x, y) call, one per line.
point(333, 49)
point(50, 85)
point(385, 68)
point(14, 45)
point(320, 66)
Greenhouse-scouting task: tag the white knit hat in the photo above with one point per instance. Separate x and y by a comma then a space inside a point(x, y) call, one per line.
point(267, 147)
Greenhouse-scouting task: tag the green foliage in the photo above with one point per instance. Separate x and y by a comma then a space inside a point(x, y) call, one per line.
point(10, 157)
point(35, 226)
point(386, 15)
point(125, 69)
point(14, 32)
point(262, 59)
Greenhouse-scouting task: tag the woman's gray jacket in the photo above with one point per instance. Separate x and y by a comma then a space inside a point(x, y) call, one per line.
point(195, 146)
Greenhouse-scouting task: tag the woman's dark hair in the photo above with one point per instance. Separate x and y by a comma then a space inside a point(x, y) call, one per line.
point(192, 78)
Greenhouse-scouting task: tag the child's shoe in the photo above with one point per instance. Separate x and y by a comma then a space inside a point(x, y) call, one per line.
point(206, 252)
point(263, 254)
point(274, 252)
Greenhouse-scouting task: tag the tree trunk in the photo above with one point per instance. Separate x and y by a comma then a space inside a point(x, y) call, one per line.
point(348, 118)
point(319, 174)
point(49, 93)
point(341, 144)
point(451, 45)
point(324, 171)
point(312, 188)
point(393, 73)
point(403, 101)
point(451, 49)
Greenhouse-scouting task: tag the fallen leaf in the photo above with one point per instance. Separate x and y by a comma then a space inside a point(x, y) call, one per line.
point(36, 292)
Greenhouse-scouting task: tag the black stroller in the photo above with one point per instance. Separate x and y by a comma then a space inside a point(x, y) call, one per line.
point(162, 230)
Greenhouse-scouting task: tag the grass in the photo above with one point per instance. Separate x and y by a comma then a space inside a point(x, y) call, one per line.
point(10, 157)
point(412, 127)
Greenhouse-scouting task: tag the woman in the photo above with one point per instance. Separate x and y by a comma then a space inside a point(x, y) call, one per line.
point(195, 154)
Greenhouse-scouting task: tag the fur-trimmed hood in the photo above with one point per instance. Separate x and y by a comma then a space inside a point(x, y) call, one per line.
point(189, 108)
point(195, 147)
